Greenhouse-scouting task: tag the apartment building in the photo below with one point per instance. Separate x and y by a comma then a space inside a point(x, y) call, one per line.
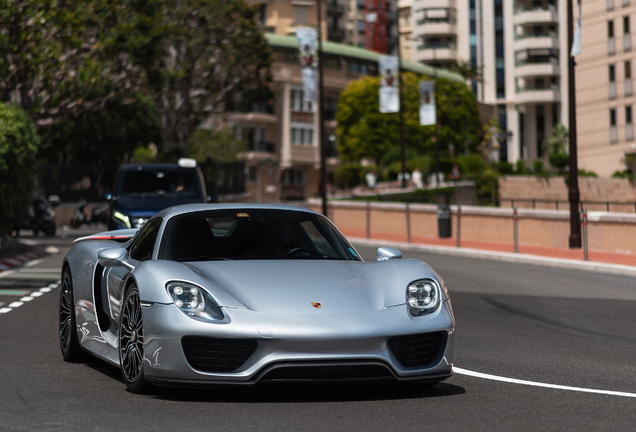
point(604, 85)
point(520, 47)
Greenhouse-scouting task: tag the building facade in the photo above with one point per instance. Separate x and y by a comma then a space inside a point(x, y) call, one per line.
point(520, 47)
point(604, 85)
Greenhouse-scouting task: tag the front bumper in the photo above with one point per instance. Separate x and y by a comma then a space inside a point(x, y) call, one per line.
point(313, 340)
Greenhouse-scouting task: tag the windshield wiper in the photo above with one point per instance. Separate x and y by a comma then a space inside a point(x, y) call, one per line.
point(203, 258)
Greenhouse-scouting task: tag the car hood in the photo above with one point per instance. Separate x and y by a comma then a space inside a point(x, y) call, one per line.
point(291, 286)
point(150, 205)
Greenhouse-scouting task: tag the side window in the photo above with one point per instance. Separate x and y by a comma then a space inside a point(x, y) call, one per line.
point(142, 247)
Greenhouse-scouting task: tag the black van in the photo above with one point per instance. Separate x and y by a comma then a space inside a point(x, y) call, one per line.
point(141, 190)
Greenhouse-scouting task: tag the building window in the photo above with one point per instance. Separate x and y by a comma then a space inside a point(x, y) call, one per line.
point(612, 117)
point(612, 73)
point(540, 118)
point(610, 29)
point(331, 103)
point(302, 136)
point(300, 14)
point(251, 174)
point(298, 104)
point(626, 24)
point(361, 26)
point(262, 14)
point(628, 114)
point(628, 69)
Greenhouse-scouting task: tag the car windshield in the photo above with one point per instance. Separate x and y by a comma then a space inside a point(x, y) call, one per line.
point(154, 182)
point(252, 234)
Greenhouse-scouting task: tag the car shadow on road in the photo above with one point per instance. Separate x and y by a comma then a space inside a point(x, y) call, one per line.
point(308, 393)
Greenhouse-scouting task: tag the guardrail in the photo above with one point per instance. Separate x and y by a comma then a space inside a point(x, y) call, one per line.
point(556, 203)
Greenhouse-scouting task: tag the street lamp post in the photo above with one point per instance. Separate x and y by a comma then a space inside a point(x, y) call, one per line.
point(574, 196)
point(321, 122)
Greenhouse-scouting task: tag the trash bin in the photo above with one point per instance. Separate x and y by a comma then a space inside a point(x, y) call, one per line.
point(443, 221)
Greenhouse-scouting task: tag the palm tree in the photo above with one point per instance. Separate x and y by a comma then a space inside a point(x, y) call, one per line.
point(558, 142)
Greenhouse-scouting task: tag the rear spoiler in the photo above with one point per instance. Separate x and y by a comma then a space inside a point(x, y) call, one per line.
point(121, 236)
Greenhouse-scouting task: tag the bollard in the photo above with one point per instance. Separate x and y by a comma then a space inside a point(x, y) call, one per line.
point(368, 219)
point(584, 217)
point(514, 223)
point(459, 219)
point(408, 223)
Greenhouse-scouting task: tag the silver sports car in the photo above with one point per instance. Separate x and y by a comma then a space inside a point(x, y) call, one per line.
point(239, 294)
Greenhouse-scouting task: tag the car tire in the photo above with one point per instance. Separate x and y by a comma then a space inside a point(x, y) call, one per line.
point(69, 342)
point(131, 342)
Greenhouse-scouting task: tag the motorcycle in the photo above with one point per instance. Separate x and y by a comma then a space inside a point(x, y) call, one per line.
point(79, 217)
point(40, 216)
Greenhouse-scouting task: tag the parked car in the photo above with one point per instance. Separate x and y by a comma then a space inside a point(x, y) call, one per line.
point(141, 190)
point(248, 293)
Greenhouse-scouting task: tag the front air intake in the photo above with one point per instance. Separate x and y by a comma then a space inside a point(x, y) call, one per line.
point(209, 354)
point(418, 350)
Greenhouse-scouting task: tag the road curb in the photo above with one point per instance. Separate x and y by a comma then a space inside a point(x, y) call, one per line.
point(517, 258)
point(19, 260)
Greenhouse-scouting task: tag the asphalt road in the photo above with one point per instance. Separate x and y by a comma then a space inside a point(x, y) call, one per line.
point(536, 324)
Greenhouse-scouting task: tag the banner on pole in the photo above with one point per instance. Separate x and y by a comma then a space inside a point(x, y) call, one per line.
point(427, 103)
point(389, 91)
point(576, 43)
point(308, 46)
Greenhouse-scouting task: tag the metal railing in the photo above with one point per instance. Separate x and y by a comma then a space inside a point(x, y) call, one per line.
point(556, 203)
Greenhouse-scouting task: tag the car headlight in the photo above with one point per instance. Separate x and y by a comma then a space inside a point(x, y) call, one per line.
point(194, 301)
point(122, 219)
point(423, 296)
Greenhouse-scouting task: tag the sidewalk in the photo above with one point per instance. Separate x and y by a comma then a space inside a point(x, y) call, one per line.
point(17, 254)
point(623, 259)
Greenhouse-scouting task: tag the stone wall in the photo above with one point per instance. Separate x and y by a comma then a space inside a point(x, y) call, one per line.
point(555, 189)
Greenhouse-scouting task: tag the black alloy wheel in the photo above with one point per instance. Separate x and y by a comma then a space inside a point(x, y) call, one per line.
point(131, 342)
point(69, 342)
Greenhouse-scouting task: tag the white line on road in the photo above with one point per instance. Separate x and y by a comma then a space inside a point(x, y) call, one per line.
point(538, 384)
point(5, 310)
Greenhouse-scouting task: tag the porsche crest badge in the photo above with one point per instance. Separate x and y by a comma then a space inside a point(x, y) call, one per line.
point(317, 305)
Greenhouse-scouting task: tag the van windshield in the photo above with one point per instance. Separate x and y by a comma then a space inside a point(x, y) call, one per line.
point(155, 182)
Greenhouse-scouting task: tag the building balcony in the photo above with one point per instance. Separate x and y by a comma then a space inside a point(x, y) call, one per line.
point(435, 53)
point(259, 147)
point(549, 41)
point(532, 95)
point(253, 117)
point(529, 69)
point(530, 16)
point(434, 28)
point(435, 4)
point(336, 34)
point(334, 8)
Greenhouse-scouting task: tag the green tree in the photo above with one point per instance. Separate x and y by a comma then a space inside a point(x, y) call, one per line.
point(364, 132)
point(18, 145)
point(105, 138)
point(557, 143)
point(56, 60)
point(468, 71)
point(207, 56)
point(217, 145)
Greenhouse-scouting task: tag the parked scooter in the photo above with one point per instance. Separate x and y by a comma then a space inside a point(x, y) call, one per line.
point(79, 217)
point(40, 216)
point(98, 215)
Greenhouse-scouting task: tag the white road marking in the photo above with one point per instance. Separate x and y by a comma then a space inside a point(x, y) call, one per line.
point(539, 384)
point(28, 298)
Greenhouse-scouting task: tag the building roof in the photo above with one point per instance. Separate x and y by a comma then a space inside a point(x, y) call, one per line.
point(349, 51)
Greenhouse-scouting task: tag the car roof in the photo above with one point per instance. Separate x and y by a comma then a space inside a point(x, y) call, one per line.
point(193, 208)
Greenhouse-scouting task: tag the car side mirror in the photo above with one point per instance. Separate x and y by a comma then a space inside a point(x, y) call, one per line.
point(114, 257)
point(387, 253)
point(107, 196)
